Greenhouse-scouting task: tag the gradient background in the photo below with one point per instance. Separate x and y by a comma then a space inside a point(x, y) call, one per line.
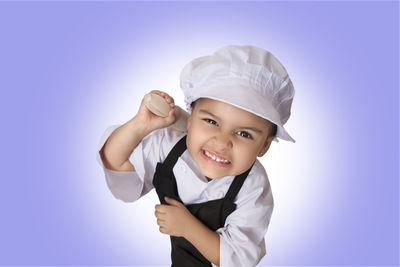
point(70, 69)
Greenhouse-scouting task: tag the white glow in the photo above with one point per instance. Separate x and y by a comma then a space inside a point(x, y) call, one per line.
point(295, 170)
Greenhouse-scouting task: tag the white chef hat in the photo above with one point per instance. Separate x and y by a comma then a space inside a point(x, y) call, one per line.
point(247, 77)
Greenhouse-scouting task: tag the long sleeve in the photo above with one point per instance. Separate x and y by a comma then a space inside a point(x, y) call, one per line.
point(129, 186)
point(242, 237)
point(124, 185)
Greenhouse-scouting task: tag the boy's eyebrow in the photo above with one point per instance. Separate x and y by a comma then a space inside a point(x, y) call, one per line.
point(209, 113)
point(218, 118)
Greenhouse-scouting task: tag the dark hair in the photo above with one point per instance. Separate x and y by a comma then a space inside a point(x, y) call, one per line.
point(192, 104)
point(272, 132)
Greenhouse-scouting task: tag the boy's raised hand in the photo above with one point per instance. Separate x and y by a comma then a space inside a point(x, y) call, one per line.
point(153, 121)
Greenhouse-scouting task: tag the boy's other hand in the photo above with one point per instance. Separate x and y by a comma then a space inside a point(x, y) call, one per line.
point(174, 219)
point(153, 121)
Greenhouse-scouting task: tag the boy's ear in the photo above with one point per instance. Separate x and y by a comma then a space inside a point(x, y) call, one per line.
point(266, 146)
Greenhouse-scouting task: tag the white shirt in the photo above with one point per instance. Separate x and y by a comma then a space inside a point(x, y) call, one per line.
point(242, 237)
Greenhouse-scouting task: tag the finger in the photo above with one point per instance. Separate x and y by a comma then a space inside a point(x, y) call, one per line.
point(163, 230)
point(158, 92)
point(171, 117)
point(171, 113)
point(161, 222)
point(170, 101)
point(160, 208)
point(159, 215)
point(173, 202)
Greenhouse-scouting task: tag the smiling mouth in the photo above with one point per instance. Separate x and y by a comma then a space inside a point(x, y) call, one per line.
point(215, 158)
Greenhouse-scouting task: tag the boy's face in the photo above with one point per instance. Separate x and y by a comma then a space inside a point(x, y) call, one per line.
point(225, 140)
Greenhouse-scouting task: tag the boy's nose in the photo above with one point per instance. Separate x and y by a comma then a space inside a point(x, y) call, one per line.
point(223, 141)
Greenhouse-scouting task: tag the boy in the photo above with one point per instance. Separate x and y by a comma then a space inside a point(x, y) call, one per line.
point(215, 195)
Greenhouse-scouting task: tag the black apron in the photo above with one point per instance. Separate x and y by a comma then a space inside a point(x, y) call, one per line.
point(211, 213)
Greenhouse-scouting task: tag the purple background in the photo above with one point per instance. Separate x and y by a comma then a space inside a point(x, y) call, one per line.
point(70, 69)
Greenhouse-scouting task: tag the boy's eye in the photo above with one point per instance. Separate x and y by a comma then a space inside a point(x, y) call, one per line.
point(244, 134)
point(210, 121)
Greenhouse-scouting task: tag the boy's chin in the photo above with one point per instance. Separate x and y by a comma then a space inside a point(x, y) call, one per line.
point(210, 175)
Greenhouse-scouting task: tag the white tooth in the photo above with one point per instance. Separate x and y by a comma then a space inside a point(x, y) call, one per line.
point(215, 158)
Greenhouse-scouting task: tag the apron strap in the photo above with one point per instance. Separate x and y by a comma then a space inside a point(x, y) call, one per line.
point(164, 180)
point(236, 185)
point(175, 153)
